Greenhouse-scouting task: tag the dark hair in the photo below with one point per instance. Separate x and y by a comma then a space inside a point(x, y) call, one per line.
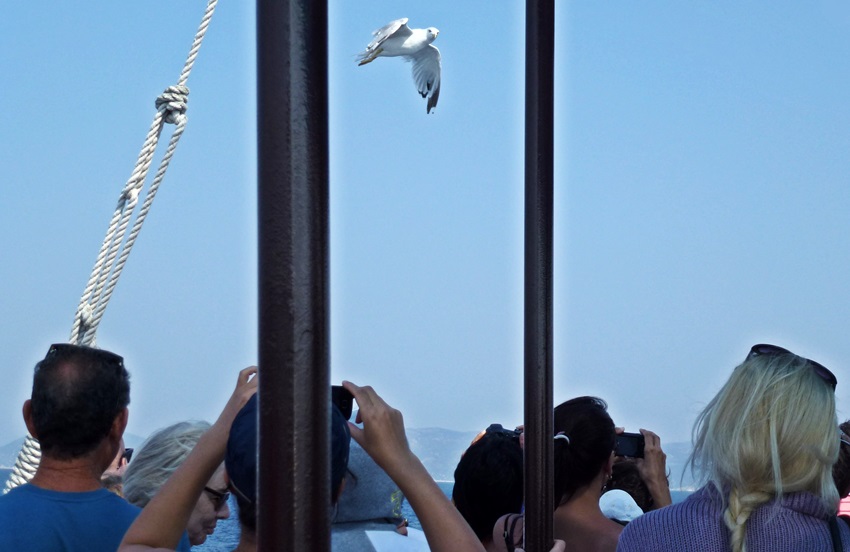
point(841, 469)
point(76, 394)
point(590, 430)
point(488, 482)
point(247, 512)
point(625, 476)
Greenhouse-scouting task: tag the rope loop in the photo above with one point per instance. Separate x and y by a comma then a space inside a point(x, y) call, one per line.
point(172, 102)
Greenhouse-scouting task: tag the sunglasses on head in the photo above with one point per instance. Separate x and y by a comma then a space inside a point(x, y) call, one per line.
point(819, 369)
point(58, 350)
point(498, 428)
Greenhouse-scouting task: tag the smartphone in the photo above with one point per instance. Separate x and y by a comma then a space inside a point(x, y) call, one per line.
point(344, 400)
point(630, 445)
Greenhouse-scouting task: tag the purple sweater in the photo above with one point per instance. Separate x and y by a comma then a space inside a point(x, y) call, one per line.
point(798, 523)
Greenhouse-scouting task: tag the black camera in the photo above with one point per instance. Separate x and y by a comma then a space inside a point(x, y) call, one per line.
point(629, 445)
point(343, 399)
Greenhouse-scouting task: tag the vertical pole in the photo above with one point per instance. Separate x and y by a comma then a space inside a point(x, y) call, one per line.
point(294, 443)
point(539, 137)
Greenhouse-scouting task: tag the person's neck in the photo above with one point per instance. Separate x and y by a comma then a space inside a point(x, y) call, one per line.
point(247, 541)
point(70, 476)
point(582, 525)
point(584, 504)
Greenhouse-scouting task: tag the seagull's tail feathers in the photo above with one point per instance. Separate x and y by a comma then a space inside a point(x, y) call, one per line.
point(368, 55)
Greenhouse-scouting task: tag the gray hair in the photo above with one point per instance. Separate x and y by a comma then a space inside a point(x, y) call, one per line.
point(160, 455)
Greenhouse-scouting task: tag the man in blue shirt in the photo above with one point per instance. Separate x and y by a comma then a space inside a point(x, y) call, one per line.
point(78, 412)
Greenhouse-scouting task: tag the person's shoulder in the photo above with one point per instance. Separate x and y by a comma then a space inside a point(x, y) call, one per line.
point(20, 494)
point(119, 505)
point(645, 528)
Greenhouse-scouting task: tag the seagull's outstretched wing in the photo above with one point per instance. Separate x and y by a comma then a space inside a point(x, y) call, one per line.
point(393, 28)
point(426, 74)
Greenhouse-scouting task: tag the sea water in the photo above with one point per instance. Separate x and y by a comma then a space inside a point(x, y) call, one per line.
point(226, 535)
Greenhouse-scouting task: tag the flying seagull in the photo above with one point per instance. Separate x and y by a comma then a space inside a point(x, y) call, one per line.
point(397, 39)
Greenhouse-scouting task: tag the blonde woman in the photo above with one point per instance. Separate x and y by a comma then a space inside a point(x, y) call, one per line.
point(765, 444)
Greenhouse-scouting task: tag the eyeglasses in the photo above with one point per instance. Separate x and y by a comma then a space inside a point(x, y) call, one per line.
point(219, 499)
point(66, 349)
point(820, 369)
point(128, 454)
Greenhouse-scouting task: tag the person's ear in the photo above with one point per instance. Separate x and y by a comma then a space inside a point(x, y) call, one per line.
point(27, 411)
point(119, 424)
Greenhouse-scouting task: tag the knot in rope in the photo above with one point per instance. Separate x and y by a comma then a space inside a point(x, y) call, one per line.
point(86, 315)
point(130, 193)
point(173, 103)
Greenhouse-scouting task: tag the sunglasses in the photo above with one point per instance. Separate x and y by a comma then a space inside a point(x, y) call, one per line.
point(219, 499)
point(821, 370)
point(498, 428)
point(61, 350)
point(128, 454)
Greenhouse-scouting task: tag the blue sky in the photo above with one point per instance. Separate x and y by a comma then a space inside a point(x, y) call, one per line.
point(701, 186)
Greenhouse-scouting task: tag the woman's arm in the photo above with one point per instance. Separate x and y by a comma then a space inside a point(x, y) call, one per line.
point(162, 522)
point(384, 439)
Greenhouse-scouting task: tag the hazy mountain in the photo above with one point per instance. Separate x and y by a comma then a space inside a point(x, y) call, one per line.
point(439, 449)
point(9, 452)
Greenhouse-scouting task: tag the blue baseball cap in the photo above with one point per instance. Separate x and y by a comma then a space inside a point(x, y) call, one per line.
point(240, 461)
point(241, 457)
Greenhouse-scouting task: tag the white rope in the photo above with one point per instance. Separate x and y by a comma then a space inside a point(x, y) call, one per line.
point(113, 254)
point(25, 465)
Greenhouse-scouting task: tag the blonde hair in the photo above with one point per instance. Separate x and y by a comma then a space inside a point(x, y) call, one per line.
point(771, 429)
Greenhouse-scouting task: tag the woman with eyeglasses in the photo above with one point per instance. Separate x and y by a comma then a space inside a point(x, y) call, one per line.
point(160, 456)
point(765, 445)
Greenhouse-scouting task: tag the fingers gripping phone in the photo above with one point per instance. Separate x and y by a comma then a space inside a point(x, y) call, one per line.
point(629, 445)
point(343, 399)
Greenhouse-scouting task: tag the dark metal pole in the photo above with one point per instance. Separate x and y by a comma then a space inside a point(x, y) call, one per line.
point(539, 137)
point(292, 94)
